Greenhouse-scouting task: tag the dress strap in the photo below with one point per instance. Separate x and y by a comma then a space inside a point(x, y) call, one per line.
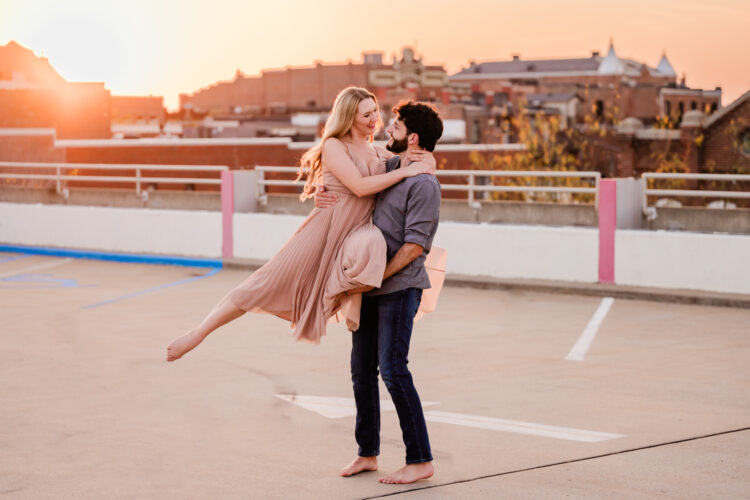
point(381, 158)
point(349, 151)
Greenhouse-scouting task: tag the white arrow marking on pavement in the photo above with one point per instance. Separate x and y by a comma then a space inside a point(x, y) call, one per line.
point(345, 407)
point(334, 407)
point(497, 424)
point(581, 347)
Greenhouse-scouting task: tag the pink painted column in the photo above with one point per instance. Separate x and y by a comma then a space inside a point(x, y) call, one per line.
point(607, 225)
point(227, 214)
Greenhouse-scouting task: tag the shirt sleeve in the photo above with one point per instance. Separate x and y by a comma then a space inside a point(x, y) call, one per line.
point(422, 210)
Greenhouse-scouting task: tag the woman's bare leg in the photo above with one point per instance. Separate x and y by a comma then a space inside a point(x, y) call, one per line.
point(224, 312)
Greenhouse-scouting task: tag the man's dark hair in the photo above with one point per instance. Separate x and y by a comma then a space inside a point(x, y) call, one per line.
point(421, 119)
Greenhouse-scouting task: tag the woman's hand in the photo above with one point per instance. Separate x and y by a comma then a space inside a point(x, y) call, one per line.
point(423, 156)
point(417, 169)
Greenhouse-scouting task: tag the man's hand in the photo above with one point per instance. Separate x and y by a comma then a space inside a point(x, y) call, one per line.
point(405, 256)
point(324, 199)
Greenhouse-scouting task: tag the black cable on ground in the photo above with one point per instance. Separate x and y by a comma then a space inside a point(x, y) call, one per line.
point(620, 452)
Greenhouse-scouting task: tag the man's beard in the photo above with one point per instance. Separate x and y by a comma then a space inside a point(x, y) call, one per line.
point(397, 146)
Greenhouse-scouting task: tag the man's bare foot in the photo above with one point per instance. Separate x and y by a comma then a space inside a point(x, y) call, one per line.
point(182, 345)
point(409, 474)
point(360, 464)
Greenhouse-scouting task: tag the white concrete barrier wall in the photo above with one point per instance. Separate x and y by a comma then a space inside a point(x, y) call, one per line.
point(666, 259)
point(500, 251)
point(139, 230)
point(524, 252)
point(713, 262)
point(259, 236)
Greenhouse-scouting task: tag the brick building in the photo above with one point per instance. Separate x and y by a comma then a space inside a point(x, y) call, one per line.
point(137, 116)
point(34, 95)
point(718, 143)
point(313, 88)
point(610, 87)
point(726, 138)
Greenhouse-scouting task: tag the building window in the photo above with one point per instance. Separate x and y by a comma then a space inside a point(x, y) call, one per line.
point(668, 108)
point(693, 105)
point(744, 142)
point(599, 110)
point(714, 107)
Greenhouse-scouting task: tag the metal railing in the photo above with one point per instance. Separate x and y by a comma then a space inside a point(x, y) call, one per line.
point(471, 187)
point(138, 178)
point(650, 212)
point(62, 175)
point(261, 181)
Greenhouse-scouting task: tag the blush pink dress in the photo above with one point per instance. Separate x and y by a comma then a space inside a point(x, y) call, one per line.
point(334, 250)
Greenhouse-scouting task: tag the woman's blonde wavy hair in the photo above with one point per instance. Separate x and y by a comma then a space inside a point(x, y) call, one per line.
point(339, 124)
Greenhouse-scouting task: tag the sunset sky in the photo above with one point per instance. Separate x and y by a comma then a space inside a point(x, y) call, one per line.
point(167, 47)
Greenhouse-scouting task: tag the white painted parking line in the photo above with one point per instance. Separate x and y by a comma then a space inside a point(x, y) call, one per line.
point(498, 424)
point(345, 407)
point(579, 350)
point(37, 267)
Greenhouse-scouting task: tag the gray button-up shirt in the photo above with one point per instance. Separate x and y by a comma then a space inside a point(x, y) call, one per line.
point(408, 212)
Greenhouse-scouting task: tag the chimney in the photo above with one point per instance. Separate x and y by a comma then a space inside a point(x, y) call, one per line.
point(516, 57)
point(594, 53)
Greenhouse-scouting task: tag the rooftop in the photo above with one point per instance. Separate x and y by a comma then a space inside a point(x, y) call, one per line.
point(611, 64)
point(93, 411)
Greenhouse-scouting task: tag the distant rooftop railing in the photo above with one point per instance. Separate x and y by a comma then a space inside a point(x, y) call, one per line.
point(650, 212)
point(62, 174)
point(471, 187)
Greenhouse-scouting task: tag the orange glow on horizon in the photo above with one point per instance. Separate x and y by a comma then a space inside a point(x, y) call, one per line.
point(167, 48)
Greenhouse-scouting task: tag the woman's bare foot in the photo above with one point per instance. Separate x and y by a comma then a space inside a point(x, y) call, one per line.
point(182, 345)
point(360, 464)
point(409, 474)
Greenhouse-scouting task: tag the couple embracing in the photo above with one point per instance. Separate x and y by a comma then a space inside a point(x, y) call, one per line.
point(359, 257)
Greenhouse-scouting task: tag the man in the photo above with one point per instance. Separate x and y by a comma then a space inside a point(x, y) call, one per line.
point(407, 214)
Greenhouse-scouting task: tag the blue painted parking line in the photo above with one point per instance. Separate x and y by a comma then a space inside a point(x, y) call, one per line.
point(114, 257)
point(153, 289)
point(14, 257)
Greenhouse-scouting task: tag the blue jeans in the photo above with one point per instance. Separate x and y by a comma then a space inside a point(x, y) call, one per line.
point(383, 340)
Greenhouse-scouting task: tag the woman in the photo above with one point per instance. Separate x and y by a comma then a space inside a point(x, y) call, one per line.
point(336, 249)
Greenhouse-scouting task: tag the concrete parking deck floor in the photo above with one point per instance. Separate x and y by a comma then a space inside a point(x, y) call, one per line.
point(90, 409)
